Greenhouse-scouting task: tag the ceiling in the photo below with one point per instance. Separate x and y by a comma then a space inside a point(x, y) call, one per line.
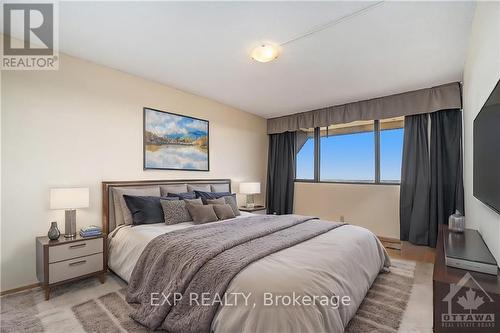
point(204, 47)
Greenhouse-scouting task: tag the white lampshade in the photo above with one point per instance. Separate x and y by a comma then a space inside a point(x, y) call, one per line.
point(249, 188)
point(69, 198)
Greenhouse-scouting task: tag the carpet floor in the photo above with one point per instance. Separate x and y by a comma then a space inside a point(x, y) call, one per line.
point(396, 302)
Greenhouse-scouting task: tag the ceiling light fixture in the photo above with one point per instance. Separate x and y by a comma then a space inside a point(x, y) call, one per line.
point(265, 52)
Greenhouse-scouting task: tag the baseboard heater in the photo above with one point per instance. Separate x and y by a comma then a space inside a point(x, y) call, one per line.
point(468, 251)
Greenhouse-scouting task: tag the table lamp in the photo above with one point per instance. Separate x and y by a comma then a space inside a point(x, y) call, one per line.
point(69, 199)
point(250, 189)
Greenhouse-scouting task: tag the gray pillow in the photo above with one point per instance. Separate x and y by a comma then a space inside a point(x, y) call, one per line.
point(219, 188)
point(220, 201)
point(122, 213)
point(193, 201)
point(202, 213)
point(224, 212)
point(199, 187)
point(177, 188)
point(231, 201)
point(175, 211)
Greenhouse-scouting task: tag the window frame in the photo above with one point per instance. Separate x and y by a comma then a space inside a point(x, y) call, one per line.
point(314, 160)
point(317, 138)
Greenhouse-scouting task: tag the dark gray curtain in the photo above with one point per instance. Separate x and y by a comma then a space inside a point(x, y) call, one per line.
point(431, 176)
point(447, 189)
point(415, 181)
point(281, 173)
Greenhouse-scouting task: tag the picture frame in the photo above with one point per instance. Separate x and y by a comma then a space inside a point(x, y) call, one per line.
point(173, 141)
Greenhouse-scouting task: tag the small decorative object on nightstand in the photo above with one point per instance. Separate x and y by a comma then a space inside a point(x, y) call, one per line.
point(67, 260)
point(54, 232)
point(456, 222)
point(256, 209)
point(250, 189)
point(69, 199)
point(90, 231)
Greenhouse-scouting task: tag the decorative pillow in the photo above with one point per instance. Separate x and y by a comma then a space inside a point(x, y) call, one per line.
point(194, 201)
point(184, 195)
point(223, 212)
point(144, 210)
point(210, 195)
point(175, 188)
point(202, 213)
point(175, 211)
point(219, 188)
point(220, 201)
point(122, 213)
point(231, 201)
point(199, 187)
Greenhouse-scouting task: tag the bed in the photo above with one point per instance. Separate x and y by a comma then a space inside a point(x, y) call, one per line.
point(272, 293)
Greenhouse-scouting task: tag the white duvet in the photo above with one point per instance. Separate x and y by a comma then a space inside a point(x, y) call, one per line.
point(343, 262)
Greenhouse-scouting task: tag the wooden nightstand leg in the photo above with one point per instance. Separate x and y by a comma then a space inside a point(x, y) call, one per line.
point(102, 277)
point(47, 293)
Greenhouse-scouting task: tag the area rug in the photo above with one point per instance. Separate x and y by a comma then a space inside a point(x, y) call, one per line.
point(88, 306)
point(386, 301)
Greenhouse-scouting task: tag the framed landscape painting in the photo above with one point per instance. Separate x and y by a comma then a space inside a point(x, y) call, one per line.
point(175, 142)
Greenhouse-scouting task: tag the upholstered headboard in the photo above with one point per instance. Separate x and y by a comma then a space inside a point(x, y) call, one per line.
point(108, 206)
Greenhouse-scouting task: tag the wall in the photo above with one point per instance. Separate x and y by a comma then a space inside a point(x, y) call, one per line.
point(482, 72)
point(375, 207)
point(82, 125)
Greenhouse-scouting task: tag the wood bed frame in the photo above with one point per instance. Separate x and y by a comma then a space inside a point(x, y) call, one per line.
point(108, 185)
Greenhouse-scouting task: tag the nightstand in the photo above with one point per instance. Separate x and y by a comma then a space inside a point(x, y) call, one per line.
point(256, 210)
point(69, 259)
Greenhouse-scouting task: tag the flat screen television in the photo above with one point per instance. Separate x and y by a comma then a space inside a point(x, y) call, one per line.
point(486, 152)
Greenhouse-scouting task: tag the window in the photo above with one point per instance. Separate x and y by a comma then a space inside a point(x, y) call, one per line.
point(305, 154)
point(347, 152)
point(361, 152)
point(391, 149)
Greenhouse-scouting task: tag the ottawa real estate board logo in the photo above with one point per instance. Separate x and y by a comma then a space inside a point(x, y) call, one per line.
point(467, 307)
point(30, 38)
